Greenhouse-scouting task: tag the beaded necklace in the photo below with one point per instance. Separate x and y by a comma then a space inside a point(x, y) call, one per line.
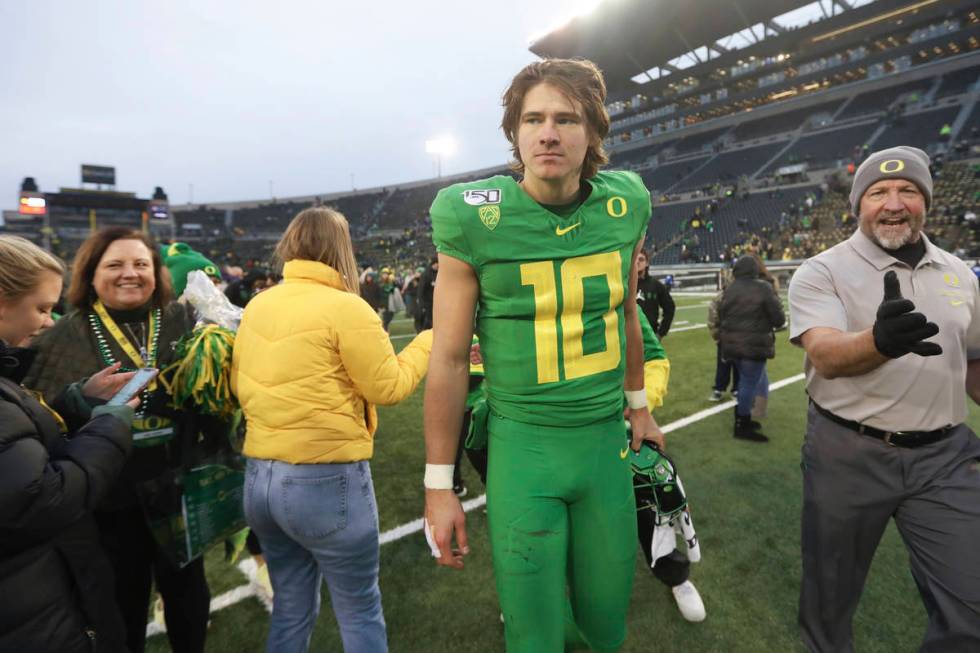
point(144, 358)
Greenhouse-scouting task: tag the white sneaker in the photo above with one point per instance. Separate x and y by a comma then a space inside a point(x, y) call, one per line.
point(689, 601)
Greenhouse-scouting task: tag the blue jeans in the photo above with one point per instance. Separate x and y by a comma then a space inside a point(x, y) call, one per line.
point(762, 387)
point(318, 522)
point(750, 372)
point(724, 370)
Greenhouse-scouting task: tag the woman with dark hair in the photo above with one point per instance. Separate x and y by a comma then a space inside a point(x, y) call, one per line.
point(55, 580)
point(125, 313)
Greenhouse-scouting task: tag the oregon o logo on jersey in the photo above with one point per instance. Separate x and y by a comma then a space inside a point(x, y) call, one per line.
point(490, 216)
point(892, 165)
point(616, 207)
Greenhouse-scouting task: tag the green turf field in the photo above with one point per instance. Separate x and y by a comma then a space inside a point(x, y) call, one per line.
point(745, 499)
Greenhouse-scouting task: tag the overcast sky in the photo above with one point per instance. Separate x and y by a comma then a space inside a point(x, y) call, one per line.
point(230, 94)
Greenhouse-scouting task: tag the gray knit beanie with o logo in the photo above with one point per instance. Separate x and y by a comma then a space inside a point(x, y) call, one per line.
point(901, 162)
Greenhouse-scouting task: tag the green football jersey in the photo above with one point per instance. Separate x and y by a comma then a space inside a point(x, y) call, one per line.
point(652, 349)
point(550, 317)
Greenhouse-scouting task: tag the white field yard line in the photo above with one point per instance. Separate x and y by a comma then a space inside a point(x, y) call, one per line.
point(696, 325)
point(247, 566)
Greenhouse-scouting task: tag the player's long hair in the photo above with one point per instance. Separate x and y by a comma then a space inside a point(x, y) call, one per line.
point(321, 234)
point(578, 79)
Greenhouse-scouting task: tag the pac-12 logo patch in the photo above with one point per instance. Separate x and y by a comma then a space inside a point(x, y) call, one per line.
point(483, 196)
point(490, 216)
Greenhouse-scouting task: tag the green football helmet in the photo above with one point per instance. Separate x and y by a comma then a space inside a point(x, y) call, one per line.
point(656, 484)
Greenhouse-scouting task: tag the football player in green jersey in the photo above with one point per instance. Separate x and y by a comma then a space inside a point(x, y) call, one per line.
point(547, 260)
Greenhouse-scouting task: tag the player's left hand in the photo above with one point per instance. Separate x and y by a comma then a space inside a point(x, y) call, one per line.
point(645, 428)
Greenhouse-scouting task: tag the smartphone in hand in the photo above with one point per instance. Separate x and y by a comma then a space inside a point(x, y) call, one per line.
point(142, 376)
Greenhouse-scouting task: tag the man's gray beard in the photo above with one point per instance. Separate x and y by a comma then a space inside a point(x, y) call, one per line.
point(893, 243)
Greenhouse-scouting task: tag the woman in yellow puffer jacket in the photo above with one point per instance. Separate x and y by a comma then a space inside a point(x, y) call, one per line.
point(311, 360)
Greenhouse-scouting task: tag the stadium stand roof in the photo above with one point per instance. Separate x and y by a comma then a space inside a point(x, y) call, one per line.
point(625, 37)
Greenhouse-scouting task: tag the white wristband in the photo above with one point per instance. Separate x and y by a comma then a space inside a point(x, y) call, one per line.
point(439, 477)
point(636, 398)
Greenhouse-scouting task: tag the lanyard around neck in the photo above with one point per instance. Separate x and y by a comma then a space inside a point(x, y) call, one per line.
point(123, 341)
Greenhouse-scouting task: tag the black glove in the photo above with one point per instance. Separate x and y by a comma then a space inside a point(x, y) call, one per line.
point(898, 330)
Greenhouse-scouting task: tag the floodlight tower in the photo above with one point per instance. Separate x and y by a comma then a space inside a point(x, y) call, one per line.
point(440, 147)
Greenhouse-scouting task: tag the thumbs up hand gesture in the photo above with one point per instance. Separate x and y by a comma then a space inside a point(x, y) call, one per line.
point(898, 329)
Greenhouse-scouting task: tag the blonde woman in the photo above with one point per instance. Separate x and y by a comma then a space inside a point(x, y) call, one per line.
point(54, 576)
point(311, 360)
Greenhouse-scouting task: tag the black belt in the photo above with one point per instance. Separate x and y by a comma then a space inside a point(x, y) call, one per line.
point(907, 439)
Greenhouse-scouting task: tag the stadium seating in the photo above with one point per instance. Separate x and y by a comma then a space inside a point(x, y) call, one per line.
point(879, 100)
point(407, 207)
point(199, 221)
point(638, 156)
point(826, 148)
point(782, 122)
point(698, 142)
point(729, 166)
point(958, 82)
point(268, 218)
point(663, 177)
point(732, 221)
point(918, 130)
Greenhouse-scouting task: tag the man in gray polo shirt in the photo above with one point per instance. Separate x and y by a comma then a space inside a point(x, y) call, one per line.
point(891, 328)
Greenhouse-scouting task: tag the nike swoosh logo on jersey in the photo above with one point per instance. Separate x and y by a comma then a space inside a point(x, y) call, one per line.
point(561, 232)
point(954, 302)
point(625, 452)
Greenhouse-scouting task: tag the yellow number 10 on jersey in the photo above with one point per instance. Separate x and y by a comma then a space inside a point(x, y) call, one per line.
point(541, 276)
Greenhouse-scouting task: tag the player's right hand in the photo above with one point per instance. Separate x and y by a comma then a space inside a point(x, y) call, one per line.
point(898, 329)
point(444, 516)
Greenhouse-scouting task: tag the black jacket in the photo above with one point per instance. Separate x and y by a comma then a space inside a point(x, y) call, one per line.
point(55, 582)
point(750, 310)
point(652, 296)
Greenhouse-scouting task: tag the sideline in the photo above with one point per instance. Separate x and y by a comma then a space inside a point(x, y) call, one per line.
point(247, 566)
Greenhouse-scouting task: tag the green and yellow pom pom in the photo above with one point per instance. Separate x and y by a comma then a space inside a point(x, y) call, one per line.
point(203, 373)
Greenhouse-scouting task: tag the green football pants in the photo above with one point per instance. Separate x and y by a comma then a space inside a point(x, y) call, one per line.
point(563, 533)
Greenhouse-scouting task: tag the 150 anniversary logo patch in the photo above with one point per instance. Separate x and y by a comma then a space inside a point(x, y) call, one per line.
point(482, 196)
